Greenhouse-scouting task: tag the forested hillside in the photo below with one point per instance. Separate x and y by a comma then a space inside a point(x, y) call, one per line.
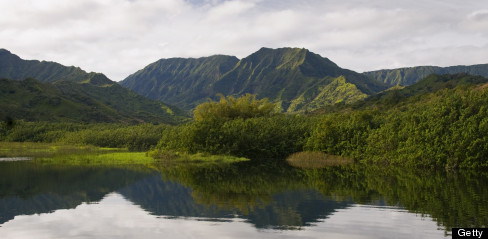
point(66, 101)
point(47, 91)
point(296, 79)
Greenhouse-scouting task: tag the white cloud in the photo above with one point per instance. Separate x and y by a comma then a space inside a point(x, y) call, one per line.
point(119, 37)
point(228, 9)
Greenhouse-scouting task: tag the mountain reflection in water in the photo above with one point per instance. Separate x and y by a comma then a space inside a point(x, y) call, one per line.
point(230, 200)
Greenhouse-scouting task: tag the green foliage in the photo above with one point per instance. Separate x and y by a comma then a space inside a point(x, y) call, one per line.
point(343, 134)
point(135, 138)
point(442, 126)
point(338, 91)
point(438, 123)
point(261, 137)
point(227, 108)
point(450, 130)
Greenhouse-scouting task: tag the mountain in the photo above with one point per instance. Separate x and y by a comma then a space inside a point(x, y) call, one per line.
point(410, 75)
point(15, 68)
point(33, 100)
point(179, 81)
point(53, 92)
point(295, 78)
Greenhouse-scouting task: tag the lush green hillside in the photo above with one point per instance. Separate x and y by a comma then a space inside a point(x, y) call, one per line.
point(61, 93)
point(401, 96)
point(13, 67)
point(410, 75)
point(295, 78)
point(178, 81)
point(413, 93)
point(32, 100)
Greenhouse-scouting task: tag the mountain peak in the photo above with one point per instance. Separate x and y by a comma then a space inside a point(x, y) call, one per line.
point(281, 74)
point(4, 51)
point(282, 49)
point(280, 58)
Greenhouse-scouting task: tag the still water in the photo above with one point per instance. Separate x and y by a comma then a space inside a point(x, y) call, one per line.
point(242, 200)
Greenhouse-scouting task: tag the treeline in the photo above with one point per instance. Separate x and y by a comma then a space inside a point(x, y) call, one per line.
point(446, 128)
point(443, 126)
point(133, 137)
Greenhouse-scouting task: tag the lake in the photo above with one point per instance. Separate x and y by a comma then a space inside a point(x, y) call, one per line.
point(253, 199)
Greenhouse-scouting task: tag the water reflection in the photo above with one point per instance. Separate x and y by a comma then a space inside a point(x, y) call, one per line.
point(27, 188)
point(239, 199)
point(116, 217)
point(286, 210)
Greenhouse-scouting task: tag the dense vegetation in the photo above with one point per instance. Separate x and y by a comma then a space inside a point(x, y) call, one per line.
point(135, 138)
point(296, 79)
point(243, 127)
point(443, 125)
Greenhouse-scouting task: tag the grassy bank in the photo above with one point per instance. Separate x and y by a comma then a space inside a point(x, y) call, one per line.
point(51, 153)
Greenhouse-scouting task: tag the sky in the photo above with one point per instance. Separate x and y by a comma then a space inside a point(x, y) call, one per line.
point(119, 37)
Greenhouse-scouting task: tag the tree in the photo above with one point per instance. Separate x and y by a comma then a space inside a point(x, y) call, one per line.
point(228, 108)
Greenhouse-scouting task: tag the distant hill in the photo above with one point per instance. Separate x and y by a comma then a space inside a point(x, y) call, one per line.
point(15, 68)
point(68, 101)
point(179, 81)
point(53, 92)
point(296, 78)
point(405, 95)
point(410, 75)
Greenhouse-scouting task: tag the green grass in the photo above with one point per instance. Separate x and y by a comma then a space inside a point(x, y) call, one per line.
point(116, 158)
point(47, 153)
point(43, 150)
point(82, 155)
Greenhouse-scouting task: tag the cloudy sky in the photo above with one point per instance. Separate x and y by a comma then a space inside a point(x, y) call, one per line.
point(119, 37)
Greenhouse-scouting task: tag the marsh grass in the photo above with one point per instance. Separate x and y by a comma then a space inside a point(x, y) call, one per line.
point(316, 160)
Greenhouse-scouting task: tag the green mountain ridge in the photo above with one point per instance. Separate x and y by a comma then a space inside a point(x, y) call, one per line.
point(410, 75)
point(399, 96)
point(66, 101)
point(283, 75)
point(180, 81)
point(53, 92)
point(15, 68)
